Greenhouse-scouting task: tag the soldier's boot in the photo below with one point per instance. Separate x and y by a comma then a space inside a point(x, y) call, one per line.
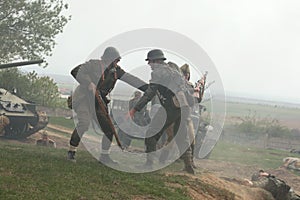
point(193, 149)
point(163, 156)
point(105, 158)
point(71, 153)
point(188, 164)
point(148, 165)
point(71, 156)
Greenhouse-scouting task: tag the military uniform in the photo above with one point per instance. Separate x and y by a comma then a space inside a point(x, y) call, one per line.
point(292, 163)
point(278, 188)
point(4, 121)
point(142, 117)
point(164, 85)
point(104, 75)
point(184, 70)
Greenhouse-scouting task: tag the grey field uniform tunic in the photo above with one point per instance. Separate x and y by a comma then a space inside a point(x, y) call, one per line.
point(84, 101)
point(163, 85)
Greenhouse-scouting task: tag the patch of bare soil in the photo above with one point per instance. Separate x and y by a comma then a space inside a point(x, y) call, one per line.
point(229, 177)
point(60, 135)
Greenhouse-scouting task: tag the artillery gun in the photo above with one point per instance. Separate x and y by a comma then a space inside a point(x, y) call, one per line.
point(19, 118)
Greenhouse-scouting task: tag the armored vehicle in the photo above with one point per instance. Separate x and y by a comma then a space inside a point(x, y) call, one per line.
point(19, 118)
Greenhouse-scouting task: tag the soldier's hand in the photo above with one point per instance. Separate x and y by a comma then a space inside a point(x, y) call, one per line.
point(197, 89)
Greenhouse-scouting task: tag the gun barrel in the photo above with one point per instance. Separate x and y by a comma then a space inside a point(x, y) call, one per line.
point(16, 64)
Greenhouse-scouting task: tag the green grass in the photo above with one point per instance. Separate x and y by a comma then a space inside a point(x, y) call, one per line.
point(242, 109)
point(61, 121)
point(263, 158)
point(30, 172)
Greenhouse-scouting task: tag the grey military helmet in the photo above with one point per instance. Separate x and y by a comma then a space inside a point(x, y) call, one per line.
point(111, 54)
point(155, 54)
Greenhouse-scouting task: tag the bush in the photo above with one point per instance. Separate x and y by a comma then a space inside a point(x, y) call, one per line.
point(253, 124)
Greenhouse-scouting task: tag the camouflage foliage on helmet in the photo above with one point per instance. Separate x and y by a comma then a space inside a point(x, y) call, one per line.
point(174, 66)
point(185, 69)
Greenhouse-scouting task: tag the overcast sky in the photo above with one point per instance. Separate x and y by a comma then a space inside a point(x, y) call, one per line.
point(254, 44)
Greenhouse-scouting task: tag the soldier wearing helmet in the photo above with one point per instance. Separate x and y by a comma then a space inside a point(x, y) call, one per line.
point(185, 70)
point(100, 75)
point(165, 82)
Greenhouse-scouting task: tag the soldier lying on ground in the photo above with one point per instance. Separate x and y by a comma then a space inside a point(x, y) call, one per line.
point(292, 163)
point(295, 151)
point(45, 141)
point(278, 188)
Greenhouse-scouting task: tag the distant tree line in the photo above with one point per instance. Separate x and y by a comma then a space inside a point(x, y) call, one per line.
point(255, 125)
point(29, 86)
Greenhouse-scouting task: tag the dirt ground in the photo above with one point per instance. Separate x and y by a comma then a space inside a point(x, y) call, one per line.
point(223, 175)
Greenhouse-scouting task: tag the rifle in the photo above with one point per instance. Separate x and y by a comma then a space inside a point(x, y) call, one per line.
point(102, 107)
point(209, 84)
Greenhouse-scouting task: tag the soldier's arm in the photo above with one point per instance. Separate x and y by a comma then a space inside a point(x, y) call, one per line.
point(148, 95)
point(131, 79)
point(82, 73)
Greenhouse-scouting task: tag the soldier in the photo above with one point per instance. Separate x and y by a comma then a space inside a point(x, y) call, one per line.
point(278, 188)
point(185, 70)
point(4, 121)
point(97, 75)
point(166, 82)
point(292, 163)
point(45, 141)
point(142, 117)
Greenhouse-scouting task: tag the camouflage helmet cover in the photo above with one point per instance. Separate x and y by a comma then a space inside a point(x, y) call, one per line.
point(185, 69)
point(111, 54)
point(155, 54)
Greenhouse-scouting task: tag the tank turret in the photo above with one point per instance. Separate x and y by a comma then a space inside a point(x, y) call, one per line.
point(19, 118)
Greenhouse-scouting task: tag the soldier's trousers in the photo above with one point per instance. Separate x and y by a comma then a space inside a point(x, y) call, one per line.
point(162, 120)
point(85, 117)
